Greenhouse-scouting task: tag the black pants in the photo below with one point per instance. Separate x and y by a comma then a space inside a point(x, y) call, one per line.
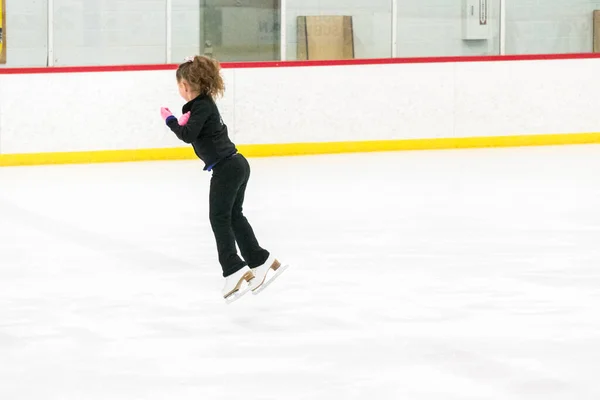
point(227, 189)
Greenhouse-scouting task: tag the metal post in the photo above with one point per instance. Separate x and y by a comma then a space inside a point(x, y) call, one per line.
point(50, 34)
point(502, 27)
point(394, 28)
point(283, 30)
point(169, 36)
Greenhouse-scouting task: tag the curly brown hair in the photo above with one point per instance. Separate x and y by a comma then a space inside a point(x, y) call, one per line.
point(204, 76)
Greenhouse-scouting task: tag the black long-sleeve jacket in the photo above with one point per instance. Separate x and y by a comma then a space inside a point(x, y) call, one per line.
point(205, 131)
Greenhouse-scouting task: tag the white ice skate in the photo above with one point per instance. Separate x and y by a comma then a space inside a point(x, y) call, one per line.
point(234, 289)
point(272, 268)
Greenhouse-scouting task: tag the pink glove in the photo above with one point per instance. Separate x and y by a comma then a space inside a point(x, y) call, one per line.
point(165, 113)
point(184, 118)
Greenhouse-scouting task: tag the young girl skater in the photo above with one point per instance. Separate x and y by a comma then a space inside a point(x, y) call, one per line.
point(200, 82)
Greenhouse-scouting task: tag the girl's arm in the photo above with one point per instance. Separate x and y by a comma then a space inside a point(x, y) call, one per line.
point(190, 131)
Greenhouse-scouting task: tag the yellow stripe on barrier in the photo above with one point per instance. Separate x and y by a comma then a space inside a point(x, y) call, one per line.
point(295, 149)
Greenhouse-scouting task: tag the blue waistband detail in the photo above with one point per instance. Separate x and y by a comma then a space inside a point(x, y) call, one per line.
point(210, 167)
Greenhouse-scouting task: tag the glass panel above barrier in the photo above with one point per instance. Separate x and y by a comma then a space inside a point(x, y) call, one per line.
point(438, 28)
point(24, 33)
point(185, 29)
point(335, 29)
point(552, 27)
point(240, 30)
point(109, 32)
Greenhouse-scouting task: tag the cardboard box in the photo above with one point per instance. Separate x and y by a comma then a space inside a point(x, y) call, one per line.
point(325, 38)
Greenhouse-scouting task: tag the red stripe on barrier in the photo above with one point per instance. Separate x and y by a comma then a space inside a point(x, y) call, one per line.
point(284, 64)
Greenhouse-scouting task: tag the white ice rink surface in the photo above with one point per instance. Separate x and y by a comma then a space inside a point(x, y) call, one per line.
point(439, 275)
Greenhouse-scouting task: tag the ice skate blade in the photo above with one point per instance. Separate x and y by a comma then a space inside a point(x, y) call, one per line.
point(236, 293)
point(235, 296)
point(266, 283)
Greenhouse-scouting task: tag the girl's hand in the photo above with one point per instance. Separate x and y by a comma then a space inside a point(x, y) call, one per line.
point(184, 118)
point(165, 113)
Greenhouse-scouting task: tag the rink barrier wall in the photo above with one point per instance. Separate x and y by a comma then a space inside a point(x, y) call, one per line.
point(110, 114)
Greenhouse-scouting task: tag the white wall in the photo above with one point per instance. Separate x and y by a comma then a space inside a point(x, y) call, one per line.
point(120, 110)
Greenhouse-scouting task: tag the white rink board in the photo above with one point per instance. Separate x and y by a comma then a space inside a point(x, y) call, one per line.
point(362, 102)
point(90, 111)
point(119, 110)
point(527, 97)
